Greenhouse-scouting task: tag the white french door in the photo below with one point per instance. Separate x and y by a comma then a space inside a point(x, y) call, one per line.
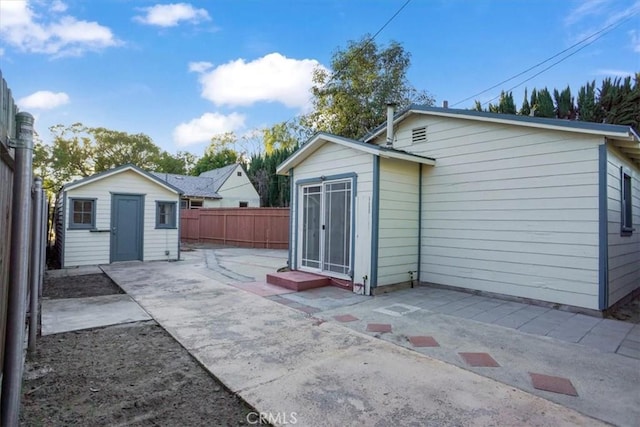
point(326, 226)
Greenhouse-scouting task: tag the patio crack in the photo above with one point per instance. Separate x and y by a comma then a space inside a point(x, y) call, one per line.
point(212, 264)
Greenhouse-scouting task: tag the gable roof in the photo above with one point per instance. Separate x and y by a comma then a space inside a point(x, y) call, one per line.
point(321, 138)
point(117, 170)
point(191, 186)
point(219, 175)
point(603, 129)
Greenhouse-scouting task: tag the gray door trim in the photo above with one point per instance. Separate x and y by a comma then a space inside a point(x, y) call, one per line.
point(140, 220)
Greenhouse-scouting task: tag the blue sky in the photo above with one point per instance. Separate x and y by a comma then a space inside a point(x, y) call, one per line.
point(181, 72)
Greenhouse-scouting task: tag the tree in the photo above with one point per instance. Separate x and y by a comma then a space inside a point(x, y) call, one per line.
point(587, 104)
point(505, 104)
point(565, 108)
point(525, 110)
point(217, 154)
point(273, 189)
point(181, 163)
point(71, 153)
point(115, 148)
point(285, 135)
point(351, 101)
point(544, 105)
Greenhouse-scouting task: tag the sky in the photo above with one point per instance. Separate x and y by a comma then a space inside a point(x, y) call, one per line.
point(182, 72)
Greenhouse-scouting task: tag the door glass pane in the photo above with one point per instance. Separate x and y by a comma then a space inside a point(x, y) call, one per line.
point(311, 200)
point(337, 253)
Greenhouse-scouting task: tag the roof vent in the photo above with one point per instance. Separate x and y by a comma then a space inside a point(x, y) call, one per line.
point(419, 134)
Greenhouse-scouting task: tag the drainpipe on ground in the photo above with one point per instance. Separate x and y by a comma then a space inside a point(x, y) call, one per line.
point(19, 272)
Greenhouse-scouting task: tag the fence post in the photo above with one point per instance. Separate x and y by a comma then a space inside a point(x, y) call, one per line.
point(36, 242)
point(19, 271)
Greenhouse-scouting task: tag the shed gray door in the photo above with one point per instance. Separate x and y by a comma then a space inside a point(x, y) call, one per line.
point(126, 227)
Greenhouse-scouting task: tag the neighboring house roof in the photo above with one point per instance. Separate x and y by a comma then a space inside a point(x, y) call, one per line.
point(117, 170)
point(321, 138)
point(220, 175)
point(206, 185)
point(191, 186)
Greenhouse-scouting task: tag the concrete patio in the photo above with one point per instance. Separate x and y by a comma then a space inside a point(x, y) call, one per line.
point(334, 356)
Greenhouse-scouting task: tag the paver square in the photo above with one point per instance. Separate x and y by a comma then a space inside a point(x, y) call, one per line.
point(553, 384)
point(423, 341)
point(479, 360)
point(345, 318)
point(379, 327)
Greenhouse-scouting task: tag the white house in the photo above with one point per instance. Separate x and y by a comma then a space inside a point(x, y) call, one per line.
point(122, 214)
point(541, 209)
point(226, 187)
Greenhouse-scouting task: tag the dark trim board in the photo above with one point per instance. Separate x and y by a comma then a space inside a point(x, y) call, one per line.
point(375, 220)
point(603, 230)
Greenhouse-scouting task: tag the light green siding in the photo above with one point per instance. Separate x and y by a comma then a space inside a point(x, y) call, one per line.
point(508, 209)
point(398, 221)
point(624, 251)
point(83, 247)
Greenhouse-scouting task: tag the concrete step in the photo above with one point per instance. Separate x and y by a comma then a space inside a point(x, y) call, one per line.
point(298, 280)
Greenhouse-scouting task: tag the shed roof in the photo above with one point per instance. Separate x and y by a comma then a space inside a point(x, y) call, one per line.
point(321, 138)
point(120, 169)
point(219, 175)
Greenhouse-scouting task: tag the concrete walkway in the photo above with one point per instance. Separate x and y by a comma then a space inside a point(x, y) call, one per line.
point(74, 314)
point(357, 363)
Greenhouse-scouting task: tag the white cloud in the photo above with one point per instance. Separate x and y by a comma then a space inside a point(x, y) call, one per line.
point(43, 100)
point(170, 15)
point(57, 6)
point(272, 78)
point(614, 73)
point(635, 40)
point(585, 9)
point(65, 35)
point(204, 127)
point(200, 67)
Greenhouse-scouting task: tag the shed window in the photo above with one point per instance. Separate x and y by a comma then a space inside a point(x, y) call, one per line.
point(195, 204)
point(184, 203)
point(627, 206)
point(239, 173)
point(244, 204)
point(165, 214)
point(82, 213)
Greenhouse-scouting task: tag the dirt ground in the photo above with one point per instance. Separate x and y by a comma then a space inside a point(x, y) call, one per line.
point(629, 312)
point(127, 375)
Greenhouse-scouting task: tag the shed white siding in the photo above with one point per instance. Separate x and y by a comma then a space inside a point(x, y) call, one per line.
point(623, 251)
point(508, 209)
point(398, 221)
point(236, 189)
point(332, 159)
point(83, 247)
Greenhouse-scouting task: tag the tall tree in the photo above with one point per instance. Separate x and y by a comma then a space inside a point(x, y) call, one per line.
point(587, 103)
point(350, 101)
point(565, 108)
point(273, 188)
point(285, 135)
point(525, 109)
point(544, 105)
point(218, 154)
point(115, 148)
point(181, 163)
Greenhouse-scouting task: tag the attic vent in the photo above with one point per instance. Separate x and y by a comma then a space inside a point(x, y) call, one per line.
point(419, 134)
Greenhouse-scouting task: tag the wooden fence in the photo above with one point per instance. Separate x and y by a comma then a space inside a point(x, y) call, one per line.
point(244, 227)
point(8, 111)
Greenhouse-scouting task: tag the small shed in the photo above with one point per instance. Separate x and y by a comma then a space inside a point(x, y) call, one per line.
point(122, 214)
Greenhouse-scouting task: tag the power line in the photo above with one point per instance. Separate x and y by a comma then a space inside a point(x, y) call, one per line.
point(600, 33)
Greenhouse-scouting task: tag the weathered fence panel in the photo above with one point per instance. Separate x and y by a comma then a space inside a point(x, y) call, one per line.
point(244, 227)
point(8, 111)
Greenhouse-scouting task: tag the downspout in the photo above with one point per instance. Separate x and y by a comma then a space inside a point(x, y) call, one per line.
point(419, 221)
point(603, 230)
point(375, 212)
point(291, 196)
point(391, 107)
